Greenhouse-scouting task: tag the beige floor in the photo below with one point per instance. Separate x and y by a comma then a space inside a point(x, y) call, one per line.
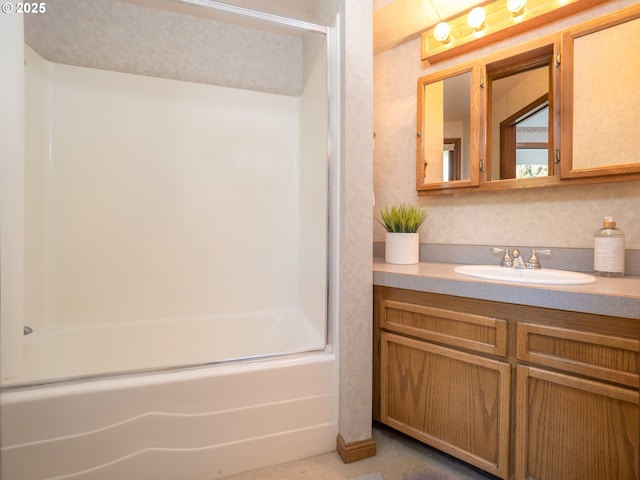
point(398, 458)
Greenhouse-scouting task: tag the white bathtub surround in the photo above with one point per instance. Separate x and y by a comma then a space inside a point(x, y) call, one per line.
point(195, 424)
point(153, 216)
point(154, 225)
point(144, 201)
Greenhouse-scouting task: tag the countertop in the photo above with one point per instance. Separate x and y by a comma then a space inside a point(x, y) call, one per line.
point(618, 297)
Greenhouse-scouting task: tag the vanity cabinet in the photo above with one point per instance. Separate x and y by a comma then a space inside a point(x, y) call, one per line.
point(520, 392)
point(576, 404)
point(443, 377)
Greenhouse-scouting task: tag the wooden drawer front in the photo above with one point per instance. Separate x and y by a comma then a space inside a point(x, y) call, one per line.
point(474, 332)
point(455, 401)
point(569, 427)
point(613, 359)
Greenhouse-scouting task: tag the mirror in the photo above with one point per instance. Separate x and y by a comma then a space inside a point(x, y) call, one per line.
point(608, 93)
point(520, 119)
point(448, 133)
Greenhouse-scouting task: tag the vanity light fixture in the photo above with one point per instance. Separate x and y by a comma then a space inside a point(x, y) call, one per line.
point(516, 7)
point(499, 20)
point(442, 33)
point(476, 19)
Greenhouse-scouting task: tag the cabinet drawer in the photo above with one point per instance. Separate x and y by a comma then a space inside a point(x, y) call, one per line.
point(465, 330)
point(605, 357)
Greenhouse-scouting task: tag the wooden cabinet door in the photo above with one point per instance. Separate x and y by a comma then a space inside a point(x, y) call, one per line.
point(454, 401)
point(572, 428)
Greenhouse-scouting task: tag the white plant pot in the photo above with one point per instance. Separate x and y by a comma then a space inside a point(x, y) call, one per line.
point(402, 248)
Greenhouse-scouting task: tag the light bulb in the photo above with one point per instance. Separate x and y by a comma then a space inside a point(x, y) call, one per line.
point(476, 18)
point(442, 32)
point(516, 7)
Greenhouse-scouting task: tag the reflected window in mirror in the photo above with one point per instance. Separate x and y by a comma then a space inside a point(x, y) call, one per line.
point(520, 119)
point(524, 141)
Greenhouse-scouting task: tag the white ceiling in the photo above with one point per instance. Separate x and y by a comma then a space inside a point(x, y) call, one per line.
point(298, 9)
point(394, 21)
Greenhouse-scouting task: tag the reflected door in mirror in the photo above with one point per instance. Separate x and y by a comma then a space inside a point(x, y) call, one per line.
point(446, 129)
point(451, 160)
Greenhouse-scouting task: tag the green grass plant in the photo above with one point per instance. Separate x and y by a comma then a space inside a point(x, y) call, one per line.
point(402, 218)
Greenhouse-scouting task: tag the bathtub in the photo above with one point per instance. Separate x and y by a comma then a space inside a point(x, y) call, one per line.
point(220, 416)
point(196, 423)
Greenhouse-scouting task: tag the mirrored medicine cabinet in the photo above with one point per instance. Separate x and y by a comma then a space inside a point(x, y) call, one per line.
point(560, 110)
point(601, 81)
point(520, 117)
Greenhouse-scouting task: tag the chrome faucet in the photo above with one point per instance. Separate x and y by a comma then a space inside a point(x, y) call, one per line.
point(507, 259)
point(515, 260)
point(518, 262)
point(533, 263)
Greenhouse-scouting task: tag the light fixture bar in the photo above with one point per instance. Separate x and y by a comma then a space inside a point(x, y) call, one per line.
point(499, 24)
point(257, 15)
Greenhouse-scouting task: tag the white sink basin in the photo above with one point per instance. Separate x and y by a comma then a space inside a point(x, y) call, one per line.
point(546, 276)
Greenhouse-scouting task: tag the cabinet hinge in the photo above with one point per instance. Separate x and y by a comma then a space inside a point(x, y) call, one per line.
point(556, 157)
point(379, 346)
point(482, 164)
point(557, 59)
point(482, 81)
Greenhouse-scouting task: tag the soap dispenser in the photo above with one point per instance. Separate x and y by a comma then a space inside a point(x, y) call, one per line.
point(608, 250)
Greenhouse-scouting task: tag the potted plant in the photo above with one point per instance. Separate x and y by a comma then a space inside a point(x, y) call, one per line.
point(402, 244)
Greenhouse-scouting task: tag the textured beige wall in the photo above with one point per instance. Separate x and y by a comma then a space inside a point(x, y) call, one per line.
point(356, 302)
point(553, 217)
point(123, 37)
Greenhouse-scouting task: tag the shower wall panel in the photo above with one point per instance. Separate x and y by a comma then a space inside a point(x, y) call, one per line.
point(155, 198)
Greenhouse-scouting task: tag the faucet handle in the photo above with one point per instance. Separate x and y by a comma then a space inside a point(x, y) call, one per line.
point(533, 262)
point(507, 259)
